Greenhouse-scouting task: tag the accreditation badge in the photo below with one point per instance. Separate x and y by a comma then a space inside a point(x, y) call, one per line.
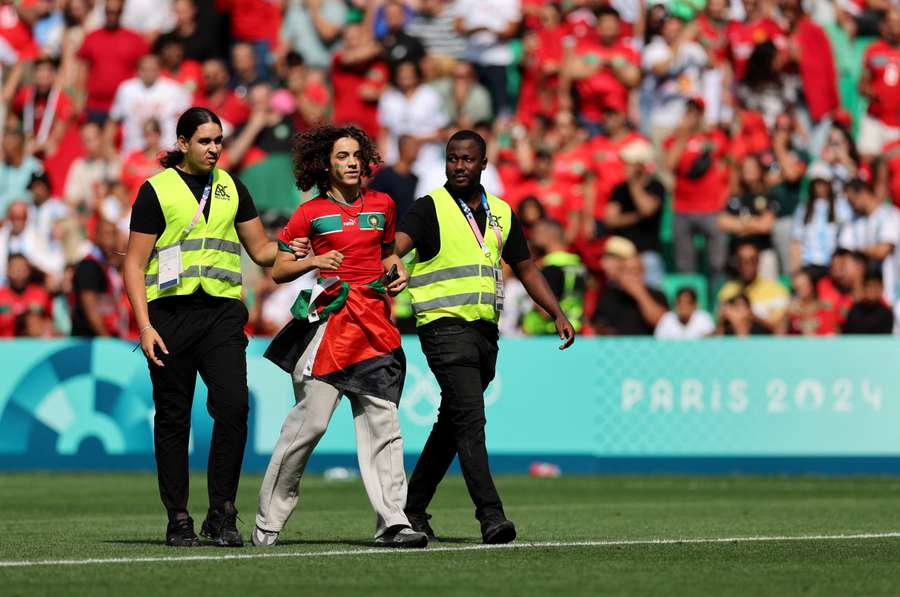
point(169, 266)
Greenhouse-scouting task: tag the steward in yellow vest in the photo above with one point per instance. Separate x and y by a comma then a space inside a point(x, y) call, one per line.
point(183, 277)
point(461, 236)
point(565, 273)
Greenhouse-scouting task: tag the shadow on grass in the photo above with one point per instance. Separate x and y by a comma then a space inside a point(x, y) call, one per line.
point(291, 542)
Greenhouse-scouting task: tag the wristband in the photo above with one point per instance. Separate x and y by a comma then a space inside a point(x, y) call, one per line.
point(144, 329)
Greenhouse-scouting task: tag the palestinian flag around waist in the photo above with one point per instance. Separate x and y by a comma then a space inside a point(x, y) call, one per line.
point(359, 351)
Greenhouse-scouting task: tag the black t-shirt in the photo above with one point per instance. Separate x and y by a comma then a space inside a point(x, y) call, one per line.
point(147, 215)
point(868, 318)
point(401, 46)
point(752, 204)
point(89, 276)
point(618, 313)
point(421, 224)
point(644, 234)
point(401, 188)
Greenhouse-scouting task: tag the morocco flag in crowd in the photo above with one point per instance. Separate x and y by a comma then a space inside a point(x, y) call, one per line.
point(359, 350)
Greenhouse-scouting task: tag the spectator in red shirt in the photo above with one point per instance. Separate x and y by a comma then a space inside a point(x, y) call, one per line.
point(20, 295)
point(807, 315)
point(219, 98)
point(560, 200)
point(46, 110)
point(880, 83)
point(759, 27)
point(109, 56)
point(255, 22)
point(889, 172)
point(141, 164)
point(174, 66)
point(843, 285)
point(358, 77)
point(607, 165)
point(697, 158)
point(604, 70)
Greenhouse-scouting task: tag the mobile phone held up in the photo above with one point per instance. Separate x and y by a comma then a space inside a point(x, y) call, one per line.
point(391, 276)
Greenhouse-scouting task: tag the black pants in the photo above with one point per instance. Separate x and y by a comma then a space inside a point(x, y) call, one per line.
point(463, 358)
point(205, 337)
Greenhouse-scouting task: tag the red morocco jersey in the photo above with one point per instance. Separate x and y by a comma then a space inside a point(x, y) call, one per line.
point(357, 231)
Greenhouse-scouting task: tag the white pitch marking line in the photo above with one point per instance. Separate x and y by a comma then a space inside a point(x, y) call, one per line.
point(382, 551)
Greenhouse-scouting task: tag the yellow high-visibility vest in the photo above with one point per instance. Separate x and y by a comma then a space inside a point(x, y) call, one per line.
point(459, 281)
point(211, 252)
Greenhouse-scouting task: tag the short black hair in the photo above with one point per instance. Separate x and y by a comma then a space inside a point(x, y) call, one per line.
point(745, 242)
point(607, 11)
point(469, 135)
point(686, 290)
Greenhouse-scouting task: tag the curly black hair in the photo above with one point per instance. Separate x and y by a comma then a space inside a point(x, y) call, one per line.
point(312, 150)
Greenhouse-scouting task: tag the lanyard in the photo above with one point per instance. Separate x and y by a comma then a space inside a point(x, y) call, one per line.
point(474, 225)
point(200, 206)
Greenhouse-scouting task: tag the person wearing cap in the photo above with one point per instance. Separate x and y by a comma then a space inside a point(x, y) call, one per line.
point(816, 223)
point(626, 306)
point(635, 208)
point(697, 158)
point(49, 216)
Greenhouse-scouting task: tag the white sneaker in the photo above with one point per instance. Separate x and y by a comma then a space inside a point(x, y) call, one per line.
point(263, 538)
point(402, 537)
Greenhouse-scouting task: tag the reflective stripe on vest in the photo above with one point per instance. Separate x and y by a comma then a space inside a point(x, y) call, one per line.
point(459, 281)
point(211, 252)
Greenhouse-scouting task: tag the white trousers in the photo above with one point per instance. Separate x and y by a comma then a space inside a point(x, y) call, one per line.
point(379, 449)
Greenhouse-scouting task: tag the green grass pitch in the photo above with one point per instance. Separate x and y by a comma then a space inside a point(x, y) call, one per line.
point(574, 536)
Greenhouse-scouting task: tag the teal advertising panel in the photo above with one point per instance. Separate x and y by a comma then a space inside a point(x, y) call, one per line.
point(605, 404)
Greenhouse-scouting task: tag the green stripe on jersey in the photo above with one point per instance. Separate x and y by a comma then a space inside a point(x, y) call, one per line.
point(327, 224)
point(371, 220)
point(283, 246)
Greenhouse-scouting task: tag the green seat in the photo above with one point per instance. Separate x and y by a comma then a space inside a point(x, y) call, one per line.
point(271, 184)
point(672, 283)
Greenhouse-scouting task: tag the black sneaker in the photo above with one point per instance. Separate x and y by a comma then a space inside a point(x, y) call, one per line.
point(180, 533)
point(221, 527)
point(498, 531)
point(419, 523)
point(403, 537)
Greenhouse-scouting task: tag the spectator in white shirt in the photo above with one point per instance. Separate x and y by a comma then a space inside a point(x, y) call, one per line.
point(17, 236)
point(488, 26)
point(875, 231)
point(686, 322)
point(149, 95)
point(88, 175)
point(674, 65)
point(49, 217)
point(410, 108)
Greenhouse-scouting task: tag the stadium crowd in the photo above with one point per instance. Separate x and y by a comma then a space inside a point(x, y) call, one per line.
point(682, 167)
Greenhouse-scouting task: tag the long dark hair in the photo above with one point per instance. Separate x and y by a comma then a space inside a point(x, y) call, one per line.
point(807, 217)
point(312, 153)
point(187, 125)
